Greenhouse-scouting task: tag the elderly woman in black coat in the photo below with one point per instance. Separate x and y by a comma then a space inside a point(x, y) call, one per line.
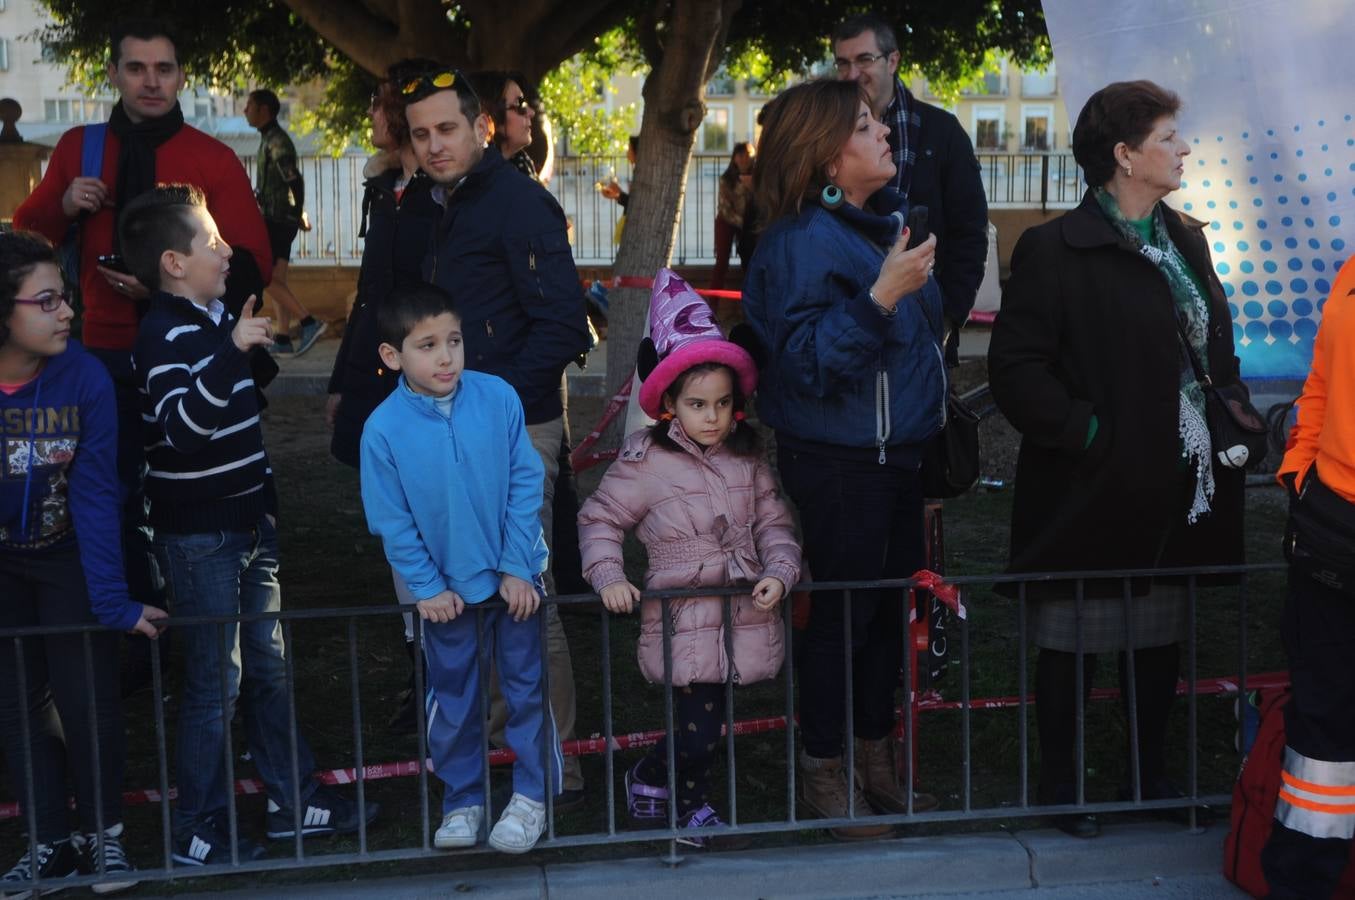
point(1115, 470)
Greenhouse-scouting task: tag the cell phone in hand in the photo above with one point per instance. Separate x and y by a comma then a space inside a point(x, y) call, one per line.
point(917, 226)
point(115, 262)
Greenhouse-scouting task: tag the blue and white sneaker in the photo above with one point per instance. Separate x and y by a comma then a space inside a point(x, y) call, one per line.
point(326, 812)
point(209, 845)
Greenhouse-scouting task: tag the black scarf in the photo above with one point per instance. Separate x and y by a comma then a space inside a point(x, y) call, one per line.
point(136, 158)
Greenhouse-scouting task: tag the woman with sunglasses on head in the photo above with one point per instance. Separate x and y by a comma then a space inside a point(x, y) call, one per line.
point(60, 564)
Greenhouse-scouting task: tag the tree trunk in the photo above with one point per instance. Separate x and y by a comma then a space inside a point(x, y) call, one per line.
point(674, 109)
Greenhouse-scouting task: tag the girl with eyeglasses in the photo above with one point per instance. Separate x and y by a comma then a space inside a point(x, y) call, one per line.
point(60, 564)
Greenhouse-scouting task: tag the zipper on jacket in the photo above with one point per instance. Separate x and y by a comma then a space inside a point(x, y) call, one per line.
point(531, 258)
point(489, 328)
point(882, 423)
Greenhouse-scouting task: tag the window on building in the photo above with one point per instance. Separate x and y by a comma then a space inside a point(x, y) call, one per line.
point(988, 129)
point(721, 84)
point(715, 130)
point(1037, 128)
point(994, 84)
point(1039, 84)
point(4, 54)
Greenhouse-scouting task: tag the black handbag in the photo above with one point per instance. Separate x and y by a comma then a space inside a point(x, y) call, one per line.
point(950, 461)
point(1319, 539)
point(1237, 430)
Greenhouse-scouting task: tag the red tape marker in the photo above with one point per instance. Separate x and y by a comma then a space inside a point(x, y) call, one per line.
point(928, 702)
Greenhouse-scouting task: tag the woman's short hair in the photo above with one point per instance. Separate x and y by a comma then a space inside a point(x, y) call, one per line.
point(1123, 111)
point(393, 102)
point(803, 131)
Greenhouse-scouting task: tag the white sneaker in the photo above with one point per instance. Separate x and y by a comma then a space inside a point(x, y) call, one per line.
point(520, 826)
point(460, 828)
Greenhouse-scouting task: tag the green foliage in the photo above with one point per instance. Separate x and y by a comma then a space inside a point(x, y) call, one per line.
point(231, 44)
point(571, 90)
point(222, 45)
point(948, 42)
point(341, 115)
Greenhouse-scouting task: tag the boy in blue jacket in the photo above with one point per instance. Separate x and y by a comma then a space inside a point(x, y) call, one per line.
point(60, 564)
point(452, 485)
point(214, 511)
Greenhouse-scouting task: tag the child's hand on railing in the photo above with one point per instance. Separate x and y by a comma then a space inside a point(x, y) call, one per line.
point(442, 608)
point(520, 595)
point(620, 597)
point(150, 622)
point(767, 593)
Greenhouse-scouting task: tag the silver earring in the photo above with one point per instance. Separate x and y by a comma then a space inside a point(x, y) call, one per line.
point(1129, 170)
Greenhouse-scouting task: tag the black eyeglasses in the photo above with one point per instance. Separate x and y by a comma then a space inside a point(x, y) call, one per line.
point(49, 301)
point(446, 79)
point(861, 61)
point(519, 106)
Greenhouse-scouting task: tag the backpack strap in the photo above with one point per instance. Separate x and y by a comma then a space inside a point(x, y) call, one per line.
point(92, 150)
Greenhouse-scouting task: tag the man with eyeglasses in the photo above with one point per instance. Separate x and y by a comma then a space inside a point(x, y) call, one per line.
point(935, 161)
point(501, 250)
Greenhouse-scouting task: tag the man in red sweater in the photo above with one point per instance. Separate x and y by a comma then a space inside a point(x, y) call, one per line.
point(146, 142)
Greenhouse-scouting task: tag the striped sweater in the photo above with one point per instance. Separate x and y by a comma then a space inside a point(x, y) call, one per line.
point(208, 470)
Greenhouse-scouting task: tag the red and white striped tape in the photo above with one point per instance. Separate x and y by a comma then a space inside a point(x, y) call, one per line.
point(595, 746)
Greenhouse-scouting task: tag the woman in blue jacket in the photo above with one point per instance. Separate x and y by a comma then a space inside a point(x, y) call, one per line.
point(60, 564)
point(854, 385)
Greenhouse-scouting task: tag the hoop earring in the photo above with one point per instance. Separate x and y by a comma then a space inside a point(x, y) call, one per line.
point(831, 196)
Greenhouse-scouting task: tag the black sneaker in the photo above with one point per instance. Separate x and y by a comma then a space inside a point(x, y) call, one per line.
point(327, 812)
point(59, 859)
point(117, 868)
point(210, 845)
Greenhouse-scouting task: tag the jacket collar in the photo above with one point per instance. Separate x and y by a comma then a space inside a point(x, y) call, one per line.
point(215, 311)
point(479, 173)
point(882, 218)
point(1086, 226)
point(422, 402)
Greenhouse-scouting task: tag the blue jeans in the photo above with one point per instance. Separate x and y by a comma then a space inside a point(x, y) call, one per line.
point(224, 573)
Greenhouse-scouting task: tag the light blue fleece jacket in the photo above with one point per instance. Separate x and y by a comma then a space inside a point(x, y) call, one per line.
point(455, 499)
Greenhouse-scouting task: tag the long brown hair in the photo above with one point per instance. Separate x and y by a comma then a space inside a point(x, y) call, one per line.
point(803, 130)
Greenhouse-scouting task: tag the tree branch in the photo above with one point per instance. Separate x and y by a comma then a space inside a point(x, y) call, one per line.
point(374, 42)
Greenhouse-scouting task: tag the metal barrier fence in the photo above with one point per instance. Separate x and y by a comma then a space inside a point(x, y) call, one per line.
point(334, 201)
point(1006, 801)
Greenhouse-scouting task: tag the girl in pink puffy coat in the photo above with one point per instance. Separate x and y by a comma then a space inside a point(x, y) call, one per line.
point(698, 492)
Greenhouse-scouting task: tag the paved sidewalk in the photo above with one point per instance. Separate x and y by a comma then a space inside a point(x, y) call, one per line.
point(1131, 860)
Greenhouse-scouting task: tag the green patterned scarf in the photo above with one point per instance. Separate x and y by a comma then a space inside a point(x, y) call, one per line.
point(1193, 313)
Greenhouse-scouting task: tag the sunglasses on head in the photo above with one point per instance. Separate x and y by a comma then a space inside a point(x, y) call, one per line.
point(436, 81)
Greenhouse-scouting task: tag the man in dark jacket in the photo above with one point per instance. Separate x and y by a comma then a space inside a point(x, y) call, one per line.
point(936, 167)
point(502, 252)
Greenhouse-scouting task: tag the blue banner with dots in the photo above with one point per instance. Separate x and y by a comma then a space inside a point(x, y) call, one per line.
point(1268, 93)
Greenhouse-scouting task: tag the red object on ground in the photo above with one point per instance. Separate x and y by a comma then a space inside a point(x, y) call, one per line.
point(1253, 811)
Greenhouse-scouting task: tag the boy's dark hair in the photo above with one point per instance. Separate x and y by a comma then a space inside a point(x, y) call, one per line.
point(20, 253)
point(406, 307)
point(267, 99)
point(742, 441)
point(157, 221)
point(143, 29)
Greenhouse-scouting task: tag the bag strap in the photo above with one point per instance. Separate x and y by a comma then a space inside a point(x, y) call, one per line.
point(92, 150)
point(1200, 374)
